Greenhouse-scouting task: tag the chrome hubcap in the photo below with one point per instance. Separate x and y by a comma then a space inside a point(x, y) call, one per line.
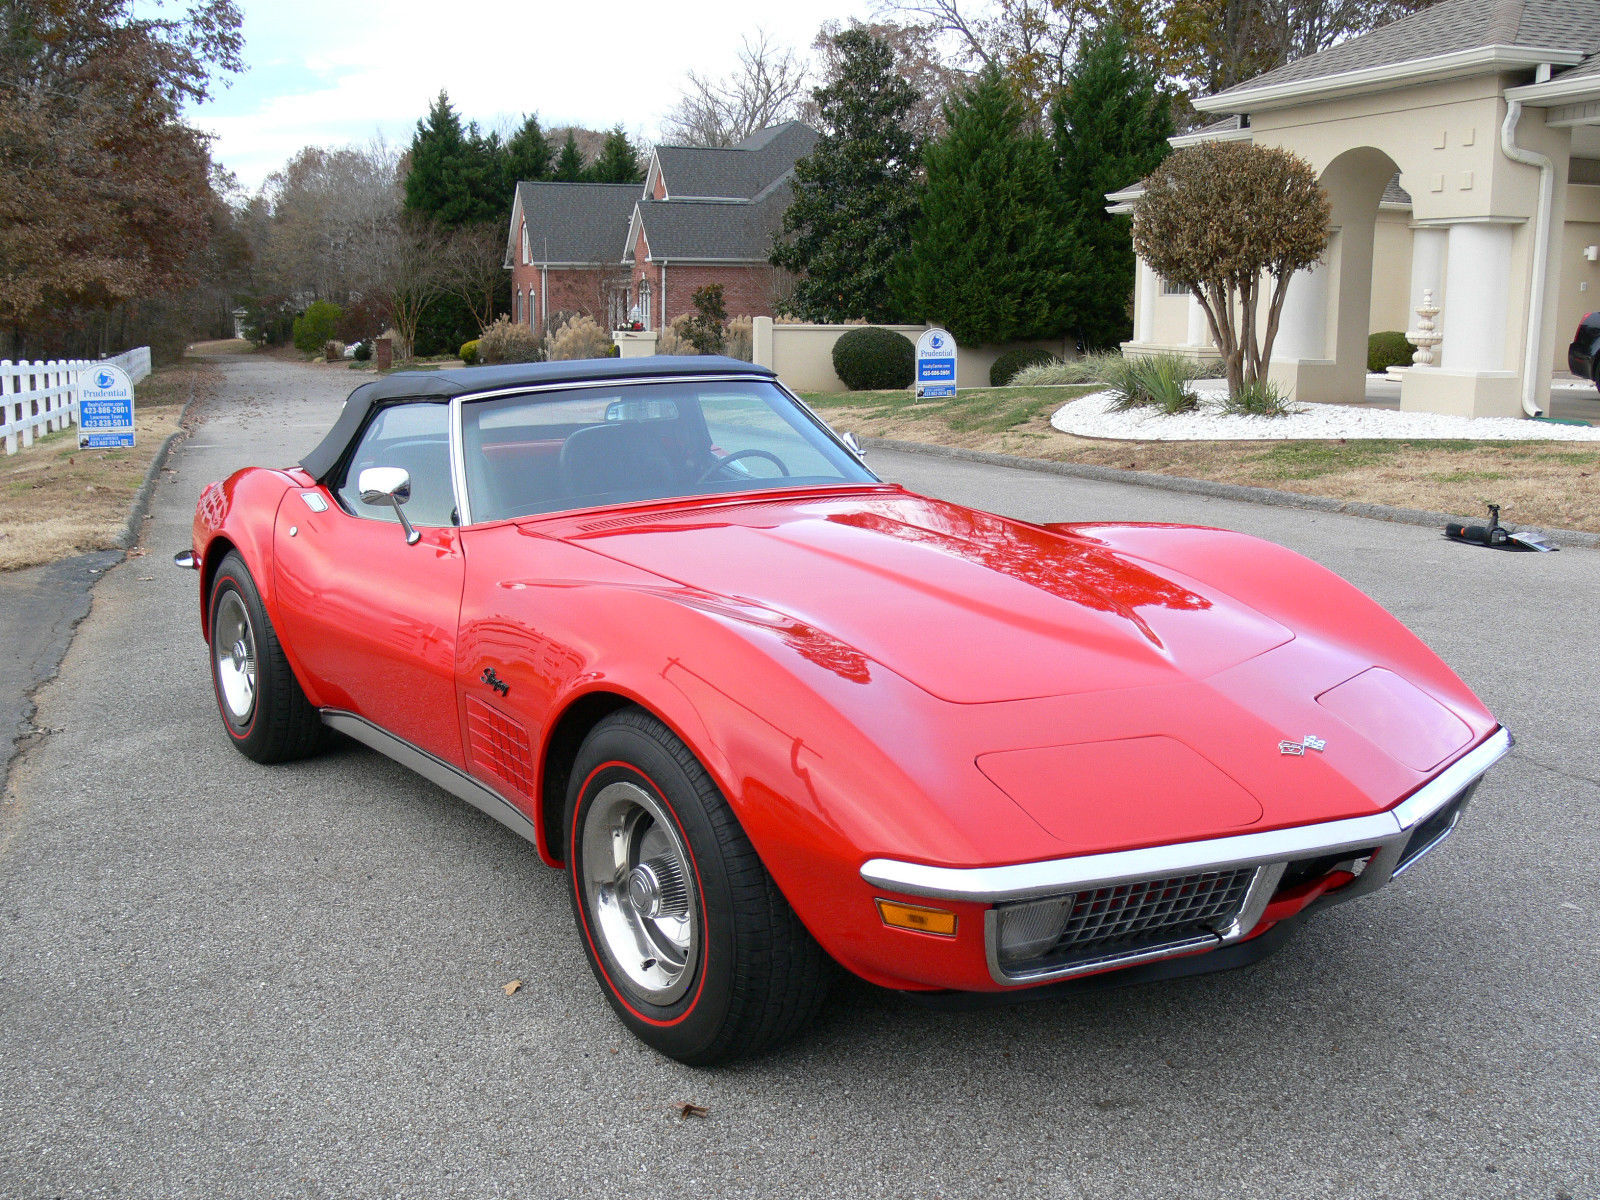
point(234, 657)
point(639, 891)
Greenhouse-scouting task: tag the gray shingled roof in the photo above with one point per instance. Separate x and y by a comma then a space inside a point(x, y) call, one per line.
point(1448, 27)
point(577, 222)
point(739, 172)
point(713, 229)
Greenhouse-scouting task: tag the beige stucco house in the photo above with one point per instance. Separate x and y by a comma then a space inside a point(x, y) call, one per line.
point(1460, 148)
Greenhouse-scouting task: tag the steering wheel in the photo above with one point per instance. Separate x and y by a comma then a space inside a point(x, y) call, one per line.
point(736, 456)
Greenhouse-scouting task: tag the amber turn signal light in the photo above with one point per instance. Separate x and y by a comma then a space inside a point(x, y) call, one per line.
point(917, 918)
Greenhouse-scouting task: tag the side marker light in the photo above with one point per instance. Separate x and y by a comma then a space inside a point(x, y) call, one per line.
point(918, 919)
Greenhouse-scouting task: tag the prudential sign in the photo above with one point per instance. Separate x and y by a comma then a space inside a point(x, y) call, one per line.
point(936, 365)
point(105, 408)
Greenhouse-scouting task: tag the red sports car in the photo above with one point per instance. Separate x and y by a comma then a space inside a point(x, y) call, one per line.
point(771, 713)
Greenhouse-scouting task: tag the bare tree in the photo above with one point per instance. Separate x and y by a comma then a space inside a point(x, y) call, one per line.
point(475, 262)
point(1224, 219)
point(765, 90)
point(411, 256)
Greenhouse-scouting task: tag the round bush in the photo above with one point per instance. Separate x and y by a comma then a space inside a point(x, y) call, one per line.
point(1012, 361)
point(469, 352)
point(314, 328)
point(363, 351)
point(1389, 349)
point(873, 359)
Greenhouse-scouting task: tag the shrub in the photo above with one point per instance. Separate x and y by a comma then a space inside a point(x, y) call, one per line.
point(363, 320)
point(741, 339)
point(469, 352)
point(705, 327)
point(1146, 381)
point(559, 320)
point(874, 359)
point(1388, 349)
point(674, 338)
point(1258, 398)
point(315, 327)
point(1009, 364)
point(363, 351)
point(509, 342)
point(581, 337)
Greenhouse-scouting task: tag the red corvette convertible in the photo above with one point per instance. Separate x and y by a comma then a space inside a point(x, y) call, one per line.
point(770, 713)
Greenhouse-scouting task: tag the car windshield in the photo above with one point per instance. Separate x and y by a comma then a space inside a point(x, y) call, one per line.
point(622, 443)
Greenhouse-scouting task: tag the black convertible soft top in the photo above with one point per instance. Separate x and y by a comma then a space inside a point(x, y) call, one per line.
point(446, 385)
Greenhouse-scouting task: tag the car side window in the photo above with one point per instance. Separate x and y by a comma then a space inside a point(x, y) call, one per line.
point(415, 437)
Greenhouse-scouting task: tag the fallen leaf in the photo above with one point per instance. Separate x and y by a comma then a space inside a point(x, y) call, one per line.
point(138, 552)
point(688, 1108)
point(146, 578)
point(512, 988)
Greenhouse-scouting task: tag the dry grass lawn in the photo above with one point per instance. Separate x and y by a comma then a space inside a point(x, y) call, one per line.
point(57, 500)
point(1552, 484)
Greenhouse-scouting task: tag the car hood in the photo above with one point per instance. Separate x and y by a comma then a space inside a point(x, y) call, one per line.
point(970, 607)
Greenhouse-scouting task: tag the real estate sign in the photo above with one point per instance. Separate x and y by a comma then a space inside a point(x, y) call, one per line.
point(105, 408)
point(936, 364)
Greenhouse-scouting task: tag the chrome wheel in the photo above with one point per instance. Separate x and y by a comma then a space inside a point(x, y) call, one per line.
point(639, 889)
point(233, 657)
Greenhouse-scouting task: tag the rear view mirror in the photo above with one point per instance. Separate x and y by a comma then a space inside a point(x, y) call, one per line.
point(642, 410)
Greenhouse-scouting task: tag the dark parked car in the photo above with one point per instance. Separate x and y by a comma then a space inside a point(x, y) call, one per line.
point(1585, 348)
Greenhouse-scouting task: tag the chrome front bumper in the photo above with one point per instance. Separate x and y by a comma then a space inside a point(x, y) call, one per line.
point(1387, 836)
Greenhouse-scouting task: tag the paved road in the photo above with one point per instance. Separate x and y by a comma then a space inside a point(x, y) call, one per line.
point(224, 979)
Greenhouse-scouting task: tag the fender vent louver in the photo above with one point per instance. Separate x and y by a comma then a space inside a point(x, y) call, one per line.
point(499, 746)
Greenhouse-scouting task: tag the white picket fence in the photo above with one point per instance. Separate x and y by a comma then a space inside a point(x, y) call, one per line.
point(42, 397)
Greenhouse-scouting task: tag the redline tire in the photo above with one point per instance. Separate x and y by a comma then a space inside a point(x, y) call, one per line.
point(745, 975)
point(264, 713)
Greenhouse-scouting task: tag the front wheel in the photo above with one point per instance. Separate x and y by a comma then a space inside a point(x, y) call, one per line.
point(266, 715)
point(696, 949)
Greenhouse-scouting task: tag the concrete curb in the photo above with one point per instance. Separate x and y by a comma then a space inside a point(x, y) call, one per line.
point(141, 499)
point(1220, 491)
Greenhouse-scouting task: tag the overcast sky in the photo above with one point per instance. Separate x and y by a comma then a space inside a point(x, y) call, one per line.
point(330, 72)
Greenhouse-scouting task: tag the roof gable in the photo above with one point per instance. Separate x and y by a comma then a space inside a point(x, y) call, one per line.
point(736, 172)
point(1451, 34)
point(574, 222)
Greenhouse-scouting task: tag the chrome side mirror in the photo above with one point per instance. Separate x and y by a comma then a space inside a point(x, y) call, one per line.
point(391, 486)
point(849, 439)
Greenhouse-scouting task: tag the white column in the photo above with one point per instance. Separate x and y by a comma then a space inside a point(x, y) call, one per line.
point(1428, 245)
point(1303, 324)
point(1144, 286)
point(1473, 320)
point(1199, 327)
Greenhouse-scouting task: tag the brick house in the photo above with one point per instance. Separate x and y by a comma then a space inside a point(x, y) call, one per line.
point(621, 251)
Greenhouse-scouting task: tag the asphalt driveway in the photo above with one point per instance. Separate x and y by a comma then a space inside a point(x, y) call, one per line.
point(224, 979)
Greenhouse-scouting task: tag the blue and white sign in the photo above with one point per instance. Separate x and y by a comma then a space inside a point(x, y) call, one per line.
point(936, 365)
point(105, 408)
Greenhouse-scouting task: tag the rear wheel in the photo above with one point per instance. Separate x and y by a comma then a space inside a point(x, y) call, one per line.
point(696, 949)
point(265, 713)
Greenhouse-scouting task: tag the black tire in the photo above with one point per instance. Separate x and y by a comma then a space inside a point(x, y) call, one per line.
point(266, 715)
point(750, 976)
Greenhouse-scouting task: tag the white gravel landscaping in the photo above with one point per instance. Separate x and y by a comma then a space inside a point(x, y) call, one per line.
point(1092, 416)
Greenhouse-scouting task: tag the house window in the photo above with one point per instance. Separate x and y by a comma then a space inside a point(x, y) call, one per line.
point(644, 304)
point(533, 307)
point(517, 302)
point(617, 307)
point(527, 253)
point(1168, 288)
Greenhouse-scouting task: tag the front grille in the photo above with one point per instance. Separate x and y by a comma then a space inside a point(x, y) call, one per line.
point(1121, 919)
point(1430, 833)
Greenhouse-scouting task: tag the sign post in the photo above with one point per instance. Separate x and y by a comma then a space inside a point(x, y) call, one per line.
point(105, 408)
point(936, 365)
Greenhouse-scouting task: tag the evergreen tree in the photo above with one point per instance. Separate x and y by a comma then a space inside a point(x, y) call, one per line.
point(855, 193)
point(989, 252)
point(435, 183)
point(1110, 129)
point(569, 167)
point(527, 154)
point(618, 161)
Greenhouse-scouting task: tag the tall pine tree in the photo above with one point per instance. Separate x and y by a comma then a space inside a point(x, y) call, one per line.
point(527, 155)
point(989, 253)
point(1110, 128)
point(438, 156)
point(855, 193)
point(618, 161)
point(569, 166)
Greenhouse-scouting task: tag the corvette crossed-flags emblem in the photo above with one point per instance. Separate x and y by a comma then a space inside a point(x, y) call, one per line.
point(1310, 742)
